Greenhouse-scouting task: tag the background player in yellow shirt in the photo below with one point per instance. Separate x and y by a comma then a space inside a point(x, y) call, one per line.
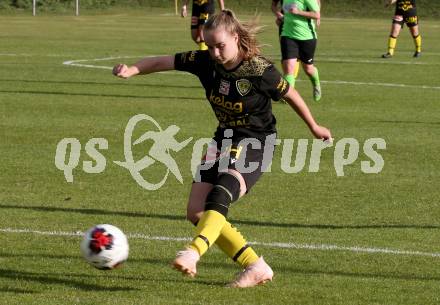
point(201, 11)
point(405, 13)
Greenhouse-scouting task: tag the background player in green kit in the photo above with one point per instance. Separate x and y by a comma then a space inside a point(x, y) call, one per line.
point(277, 10)
point(299, 39)
point(201, 11)
point(239, 86)
point(406, 13)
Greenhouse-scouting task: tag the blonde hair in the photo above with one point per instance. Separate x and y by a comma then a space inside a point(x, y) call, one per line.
point(247, 32)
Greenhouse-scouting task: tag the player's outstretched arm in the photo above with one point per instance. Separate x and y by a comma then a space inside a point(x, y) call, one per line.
point(145, 66)
point(297, 103)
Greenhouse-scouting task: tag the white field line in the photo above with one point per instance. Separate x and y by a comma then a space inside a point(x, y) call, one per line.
point(372, 61)
point(318, 247)
point(80, 63)
point(342, 82)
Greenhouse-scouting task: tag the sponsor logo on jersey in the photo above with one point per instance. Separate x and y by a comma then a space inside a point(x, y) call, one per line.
point(405, 5)
point(224, 87)
point(243, 86)
point(220, 101)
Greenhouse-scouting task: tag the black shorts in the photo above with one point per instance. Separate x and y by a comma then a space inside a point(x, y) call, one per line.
point(302, 49)
point(250, 162)
point(201, 11)
point(408, 17)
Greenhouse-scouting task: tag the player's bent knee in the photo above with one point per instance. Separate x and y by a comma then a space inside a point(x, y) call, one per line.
point(240, 179)
point(224, 192)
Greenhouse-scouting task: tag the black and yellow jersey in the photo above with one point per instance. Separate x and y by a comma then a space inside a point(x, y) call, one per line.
point(203, 7)
point(201, 11)
point(403, 6)
point(240, 98)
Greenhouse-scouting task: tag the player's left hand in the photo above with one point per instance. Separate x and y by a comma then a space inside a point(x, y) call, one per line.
point(320, 132)
point(184, 11)
point(279, 20)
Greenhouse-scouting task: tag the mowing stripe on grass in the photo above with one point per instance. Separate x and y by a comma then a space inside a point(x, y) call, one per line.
point(319, 247)
point(79, 63)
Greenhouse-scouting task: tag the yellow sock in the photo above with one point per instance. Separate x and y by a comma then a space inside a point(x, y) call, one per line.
point(392, 44)
point(208, 230)
point(203, 46)
point(234, 245)
point(296, 71)
point(418, 43)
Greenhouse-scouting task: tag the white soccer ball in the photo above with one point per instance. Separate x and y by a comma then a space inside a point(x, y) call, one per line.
point(105, 246)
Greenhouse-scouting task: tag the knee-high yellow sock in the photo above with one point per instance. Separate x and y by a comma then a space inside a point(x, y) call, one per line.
point(208, 230)
point(392, 44)
point(418, 43)
point(234, 245)
point(203, 46)
point(296, 70)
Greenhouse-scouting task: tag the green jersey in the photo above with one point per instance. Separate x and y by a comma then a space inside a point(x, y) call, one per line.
point(299, 27)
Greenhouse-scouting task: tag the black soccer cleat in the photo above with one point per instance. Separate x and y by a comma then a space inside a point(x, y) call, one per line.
point(387, 55)
point(417, 54)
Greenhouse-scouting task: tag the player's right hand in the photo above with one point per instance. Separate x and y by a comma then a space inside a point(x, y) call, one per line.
point(122, 71)
point(279, 19)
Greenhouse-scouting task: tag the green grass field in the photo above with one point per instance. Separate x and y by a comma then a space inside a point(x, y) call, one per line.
point(335, 230)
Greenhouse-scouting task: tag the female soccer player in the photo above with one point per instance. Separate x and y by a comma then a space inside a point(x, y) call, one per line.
point(239, 86)
point(201, 10)
point(291, 66)
point(299, 39)
point(406, 13)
